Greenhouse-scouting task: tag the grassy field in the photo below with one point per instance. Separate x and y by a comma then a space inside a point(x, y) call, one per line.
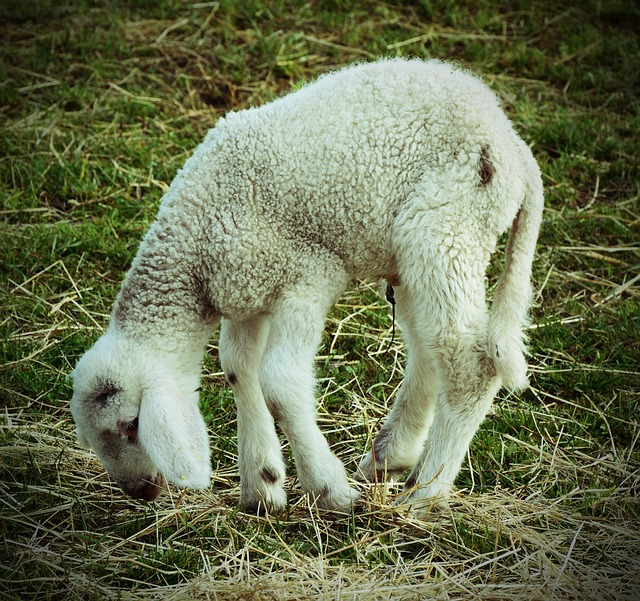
point(102, 101)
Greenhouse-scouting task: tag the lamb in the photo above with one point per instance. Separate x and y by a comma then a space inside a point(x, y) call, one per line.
point(404, 171)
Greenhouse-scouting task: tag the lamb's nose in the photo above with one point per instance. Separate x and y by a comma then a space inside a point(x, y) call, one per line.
point(147, 489)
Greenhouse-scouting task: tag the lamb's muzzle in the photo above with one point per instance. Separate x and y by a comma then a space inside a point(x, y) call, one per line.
point(146, 489)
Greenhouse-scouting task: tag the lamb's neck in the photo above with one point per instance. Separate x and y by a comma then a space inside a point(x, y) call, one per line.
point(164, 300)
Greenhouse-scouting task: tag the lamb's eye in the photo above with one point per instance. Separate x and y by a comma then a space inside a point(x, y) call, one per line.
point(131, 426)
point(129, 429)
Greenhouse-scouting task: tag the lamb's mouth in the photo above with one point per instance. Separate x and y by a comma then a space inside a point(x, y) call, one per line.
point(147, 489)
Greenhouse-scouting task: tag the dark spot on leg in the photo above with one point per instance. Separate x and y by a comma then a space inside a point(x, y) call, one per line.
point(232, 379)
point(380, 444)
point(485, 168)
point(321, 496)
point(269, 475)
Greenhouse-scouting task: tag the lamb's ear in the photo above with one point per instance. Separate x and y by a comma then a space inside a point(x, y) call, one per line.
point(173, 434)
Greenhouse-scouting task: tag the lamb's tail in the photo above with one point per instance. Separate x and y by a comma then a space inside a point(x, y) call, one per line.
point(513, 293)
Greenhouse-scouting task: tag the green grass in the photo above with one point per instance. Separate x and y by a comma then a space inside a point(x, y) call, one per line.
point(101, 102)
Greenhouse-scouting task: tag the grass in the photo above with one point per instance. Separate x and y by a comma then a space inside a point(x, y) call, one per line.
point(101, 102)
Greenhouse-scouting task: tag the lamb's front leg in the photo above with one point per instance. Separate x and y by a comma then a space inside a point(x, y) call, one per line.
point(288, 382)
point(261, 466)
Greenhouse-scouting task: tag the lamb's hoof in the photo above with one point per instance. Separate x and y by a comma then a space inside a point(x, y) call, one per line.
point(272, 503)
point(380, 476)
point(376, 471)
point(335, 504)
point(336, 500)
point(422, 503)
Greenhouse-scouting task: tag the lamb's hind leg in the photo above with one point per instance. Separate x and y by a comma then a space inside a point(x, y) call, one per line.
point(455, 328)
point(288, 383)
point(260, 460)
point(398, 444)
point(470, 386)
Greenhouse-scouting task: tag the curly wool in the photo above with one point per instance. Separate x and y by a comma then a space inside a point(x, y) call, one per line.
point(325, 170)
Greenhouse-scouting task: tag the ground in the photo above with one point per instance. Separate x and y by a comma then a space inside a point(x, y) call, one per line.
point(100, 104)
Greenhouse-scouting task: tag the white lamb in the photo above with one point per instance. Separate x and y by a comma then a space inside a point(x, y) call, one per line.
point(400, 170)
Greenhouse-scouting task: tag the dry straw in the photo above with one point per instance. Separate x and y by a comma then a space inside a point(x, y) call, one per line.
point(565, 527)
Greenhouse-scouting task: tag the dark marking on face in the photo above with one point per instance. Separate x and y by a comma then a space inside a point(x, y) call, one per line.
point(485, 168)
point(106, 389)
point(111, 444)
point(269, 475)
point(232, 379)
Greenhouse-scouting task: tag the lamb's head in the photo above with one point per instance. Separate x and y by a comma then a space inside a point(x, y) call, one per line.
point(140, 415)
